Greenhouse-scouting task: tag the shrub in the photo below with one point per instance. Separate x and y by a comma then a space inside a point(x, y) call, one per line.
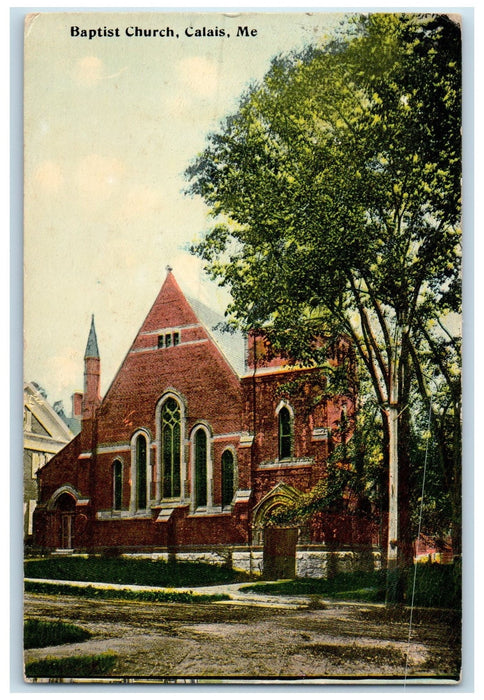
point(95, 666)
point(45, 633)
point(436, 585)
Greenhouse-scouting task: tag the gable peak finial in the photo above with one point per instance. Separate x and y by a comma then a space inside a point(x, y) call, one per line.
point(169, 269)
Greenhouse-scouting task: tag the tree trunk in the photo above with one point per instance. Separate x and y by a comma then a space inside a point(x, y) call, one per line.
point(405, 553)
point(404, 440)
point(392, 545)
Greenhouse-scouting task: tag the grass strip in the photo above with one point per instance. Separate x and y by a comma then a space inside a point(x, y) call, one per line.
point(46, 633)
point(122, 593)
point(94, 666)
point(131, 571)
point(436, 585)
point(358, 582)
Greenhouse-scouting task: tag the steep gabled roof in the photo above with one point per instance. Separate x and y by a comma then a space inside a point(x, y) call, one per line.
point(170, 308)
point(173, 350)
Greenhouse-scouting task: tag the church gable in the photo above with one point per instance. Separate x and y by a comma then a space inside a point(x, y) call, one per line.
point(172, 351)
point(170, 310)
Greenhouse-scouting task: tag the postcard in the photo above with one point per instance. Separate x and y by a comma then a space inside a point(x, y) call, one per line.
point(242, 368)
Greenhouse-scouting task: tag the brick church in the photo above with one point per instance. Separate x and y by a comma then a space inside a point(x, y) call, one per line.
point(185, 458)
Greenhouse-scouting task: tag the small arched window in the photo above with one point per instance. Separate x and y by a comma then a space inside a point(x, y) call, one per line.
point(285, 437)
point(171, 448)
point(227, 478)
point(117, 484)
point(200, 468)
point(141, 467)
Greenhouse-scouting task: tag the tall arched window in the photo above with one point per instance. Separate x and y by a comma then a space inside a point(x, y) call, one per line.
point(285, 437)
point(171, 448)
point(141, 468)
point(200, 468)
point(117, 484)
point(227, 477)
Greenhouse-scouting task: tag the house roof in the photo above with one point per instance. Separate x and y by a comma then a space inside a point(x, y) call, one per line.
point(50, 427)
point(232, 344)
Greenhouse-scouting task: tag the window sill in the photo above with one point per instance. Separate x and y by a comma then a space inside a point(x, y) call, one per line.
point(210, 512)
point(123, 515)
point(169, 504)
point(289, 463)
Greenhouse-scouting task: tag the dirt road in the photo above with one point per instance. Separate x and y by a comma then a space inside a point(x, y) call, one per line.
point(165, 642)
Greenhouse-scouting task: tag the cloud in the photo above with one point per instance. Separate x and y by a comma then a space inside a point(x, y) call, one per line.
point(199, 75)
point(99, 176)
point(180, 107)
point(188, 270)
point(65, 370)
point(141, 200)
point(88, 71)
point(48, 176)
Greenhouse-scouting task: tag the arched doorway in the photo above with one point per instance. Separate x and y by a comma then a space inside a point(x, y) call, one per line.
point(279, 542)
point(66, 511)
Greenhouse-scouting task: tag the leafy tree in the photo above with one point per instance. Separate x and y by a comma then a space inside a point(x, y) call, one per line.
point(335, 192)
point(437, 438)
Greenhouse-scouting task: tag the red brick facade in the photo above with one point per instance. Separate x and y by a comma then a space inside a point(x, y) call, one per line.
point(182, 451)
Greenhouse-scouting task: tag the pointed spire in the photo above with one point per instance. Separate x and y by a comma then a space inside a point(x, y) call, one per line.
point(91, 347)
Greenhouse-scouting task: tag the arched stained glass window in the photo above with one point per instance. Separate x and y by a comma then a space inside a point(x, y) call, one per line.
point(200, 468)
point(117, 484)
point(227, 478)
point(284, 433)
point(171, 448)
point(141, 481)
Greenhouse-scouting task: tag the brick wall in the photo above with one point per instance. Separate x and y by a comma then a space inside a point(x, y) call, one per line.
point(174, 355)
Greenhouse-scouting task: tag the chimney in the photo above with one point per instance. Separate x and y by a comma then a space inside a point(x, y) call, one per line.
point(76, 399)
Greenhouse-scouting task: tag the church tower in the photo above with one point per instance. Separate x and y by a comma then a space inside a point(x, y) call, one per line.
point(92, 375)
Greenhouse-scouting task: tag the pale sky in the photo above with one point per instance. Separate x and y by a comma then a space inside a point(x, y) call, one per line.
point(111, 123)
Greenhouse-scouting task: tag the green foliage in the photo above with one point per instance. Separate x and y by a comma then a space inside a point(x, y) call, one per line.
point(142, 572)
point(320, 498)
point(46, 633)
point(372, 581)
point(121, 593)
point(433, 510)
point(341, 167)
point(356, 466)
point(336, 197)
point(436, 585)
point(95, 666)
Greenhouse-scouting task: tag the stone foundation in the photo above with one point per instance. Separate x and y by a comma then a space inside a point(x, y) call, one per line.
point(248, 560)
point(312, 561)
point(320, 562)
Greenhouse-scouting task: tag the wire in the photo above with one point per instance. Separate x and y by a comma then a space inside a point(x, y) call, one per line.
point(418, 538)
